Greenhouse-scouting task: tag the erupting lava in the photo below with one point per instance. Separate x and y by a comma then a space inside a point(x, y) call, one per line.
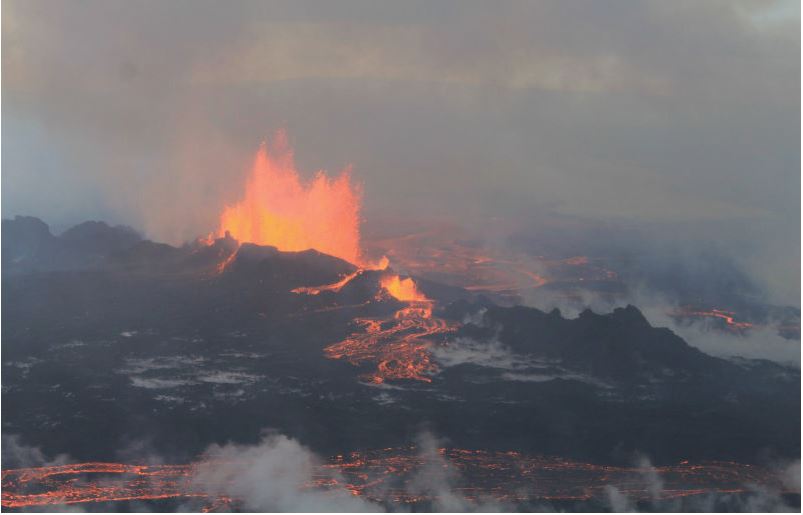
point(404, 290)
point(279, 209)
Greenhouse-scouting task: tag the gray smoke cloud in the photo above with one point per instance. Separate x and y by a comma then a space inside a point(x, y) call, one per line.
point(148, 113)
point(277, 473)
point(437, 480)
point(761, 343)
point(17, 454)
point(756, 343)
point(273, 476)
point(270, 475)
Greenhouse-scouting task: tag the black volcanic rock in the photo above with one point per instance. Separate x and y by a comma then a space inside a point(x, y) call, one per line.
point(621, 346)
point(203, 257)
point(231, 262)
point(100, 238)
point(166, 345)
point(308, 267)
point(147, 254)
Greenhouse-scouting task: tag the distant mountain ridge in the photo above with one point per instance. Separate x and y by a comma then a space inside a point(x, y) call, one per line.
point(29, 246)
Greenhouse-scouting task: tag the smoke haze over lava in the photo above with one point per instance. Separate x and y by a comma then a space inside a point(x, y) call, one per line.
point(608, 111)
point(554, 263)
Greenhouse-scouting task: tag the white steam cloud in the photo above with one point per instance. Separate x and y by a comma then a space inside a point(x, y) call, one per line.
point(273, 476)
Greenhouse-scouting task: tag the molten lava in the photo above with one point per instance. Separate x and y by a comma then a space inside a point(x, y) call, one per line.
point(334, 287)
point(390, 475)
point(63, 484)
point(404, 290)
point(281, 210)
point(728, 317)
point(399, 347)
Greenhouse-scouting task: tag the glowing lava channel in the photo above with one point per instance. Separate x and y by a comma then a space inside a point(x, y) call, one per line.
point(389, 475)
point(727, 316)
point(399, 346)
point(281, 210)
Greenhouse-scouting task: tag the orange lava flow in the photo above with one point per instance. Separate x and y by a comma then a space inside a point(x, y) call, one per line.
point(392, 474)
point(281, 210)
point(63, 484)
point(514, 477)
point(727, 316)
point(334, 287)
point(226, 262)
point(398, 346)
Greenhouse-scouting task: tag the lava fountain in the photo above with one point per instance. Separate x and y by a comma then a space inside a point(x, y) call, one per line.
point(280, 209)
point(404, 290)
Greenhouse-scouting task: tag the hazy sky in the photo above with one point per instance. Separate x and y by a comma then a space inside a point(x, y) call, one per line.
point(149, 112)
